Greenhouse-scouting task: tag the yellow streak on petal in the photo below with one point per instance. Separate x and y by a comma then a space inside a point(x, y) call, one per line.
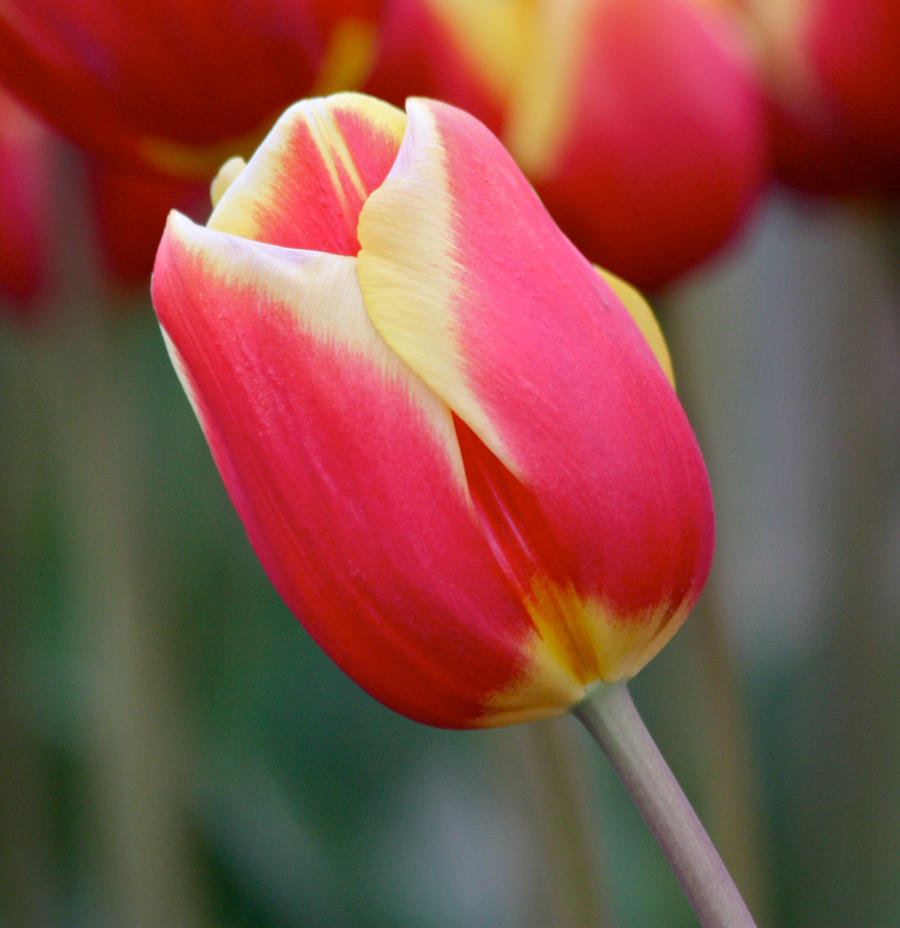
point(331, 145)
point(321, 293)
point(393, 227)
point(496, 36)
point(578, 641)
point(224, 179)
point(589, 637)
point(642, 314)
point(348, 58)
point(547, 689)
point(540, 110)
point(237, 210)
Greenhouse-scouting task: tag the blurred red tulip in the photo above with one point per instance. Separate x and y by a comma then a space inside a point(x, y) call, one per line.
point(833, 71)
point(24, 205)
point(641, 125)
point(177, 85)
point(160, 93)
point(453, 443)
point(130, 205)
point(466, 52)
point(639, 121)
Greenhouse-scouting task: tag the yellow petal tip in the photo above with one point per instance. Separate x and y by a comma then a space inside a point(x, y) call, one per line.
point(224, 179)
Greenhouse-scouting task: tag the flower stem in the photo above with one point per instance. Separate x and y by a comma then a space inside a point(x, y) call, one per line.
point(610, 716)
point(569, 888)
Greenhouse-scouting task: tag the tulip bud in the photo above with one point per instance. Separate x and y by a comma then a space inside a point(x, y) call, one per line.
point(833, 74)
point(177, 87)
point(467, 52)
point(641, 125)
point(458, 457)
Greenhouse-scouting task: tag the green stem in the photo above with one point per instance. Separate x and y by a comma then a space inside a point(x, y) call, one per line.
point(132, 801)
point(610, 716)
point(570, 889)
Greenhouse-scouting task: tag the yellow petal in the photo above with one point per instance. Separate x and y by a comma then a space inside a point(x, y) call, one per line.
point(643, 315)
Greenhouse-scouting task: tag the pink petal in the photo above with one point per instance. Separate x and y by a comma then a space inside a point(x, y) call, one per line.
point(592, 483)
point(346, 472)
point(306, 184)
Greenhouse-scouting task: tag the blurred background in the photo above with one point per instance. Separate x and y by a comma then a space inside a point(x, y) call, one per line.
point(174, 749)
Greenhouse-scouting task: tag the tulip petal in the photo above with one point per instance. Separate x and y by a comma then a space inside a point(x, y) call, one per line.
point(306, 184)
point(640, 311)
point(465, 51)
point(581, 460)
point(346, 472)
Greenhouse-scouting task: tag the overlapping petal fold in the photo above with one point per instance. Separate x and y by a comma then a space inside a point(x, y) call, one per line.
point(346, 471)
point(306, 184)
point(591, 483)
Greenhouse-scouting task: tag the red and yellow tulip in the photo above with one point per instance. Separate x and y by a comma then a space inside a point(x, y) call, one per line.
point(176, 85)
point(833, 73)
point(641, 125)
point(454, 444)
point(640, 122)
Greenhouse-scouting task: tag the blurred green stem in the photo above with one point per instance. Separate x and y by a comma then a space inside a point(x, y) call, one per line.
point(732, 794)
point(128, 719)
point(609, 714)
point(26, 859)
point(132, 727)
point(715, 690)
point(572, 888)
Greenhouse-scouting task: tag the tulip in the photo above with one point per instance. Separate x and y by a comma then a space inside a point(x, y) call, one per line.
point(639, 121)
point(641, 125)
point(466, 52)
point(173, 85)
point(159, 93)
point(454, 445)
point(833, 76)
point(24, 205)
